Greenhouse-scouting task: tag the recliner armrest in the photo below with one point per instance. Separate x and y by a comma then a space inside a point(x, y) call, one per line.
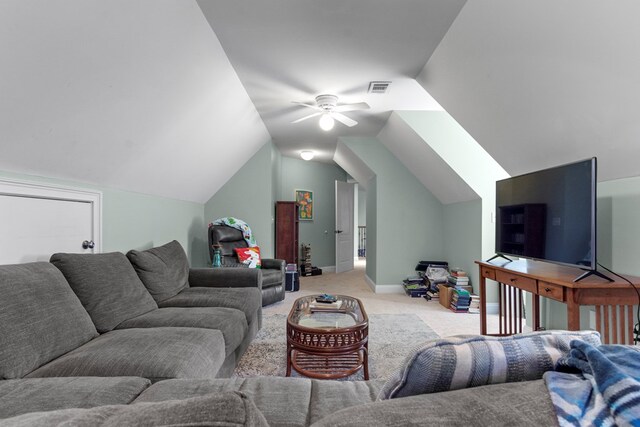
point(273, 264)
point(226, 277)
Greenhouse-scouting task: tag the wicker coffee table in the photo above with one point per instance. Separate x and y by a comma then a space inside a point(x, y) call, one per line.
point(325, 341)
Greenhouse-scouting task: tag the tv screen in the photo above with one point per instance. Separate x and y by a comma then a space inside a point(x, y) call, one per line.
point(549, 215)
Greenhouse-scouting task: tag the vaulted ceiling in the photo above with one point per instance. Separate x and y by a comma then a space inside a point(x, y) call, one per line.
point(171, 98)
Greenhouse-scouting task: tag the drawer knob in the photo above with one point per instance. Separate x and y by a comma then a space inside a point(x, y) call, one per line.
point(547, 289)
point(513, 280)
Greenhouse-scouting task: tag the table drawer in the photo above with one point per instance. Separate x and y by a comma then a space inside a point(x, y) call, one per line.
point(489, 273)
point(550, 290)
point(521, 282)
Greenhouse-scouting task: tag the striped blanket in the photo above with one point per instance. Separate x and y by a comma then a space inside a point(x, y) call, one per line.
point(596, 385)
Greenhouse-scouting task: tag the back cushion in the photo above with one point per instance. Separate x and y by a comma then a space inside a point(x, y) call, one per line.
point(40, 318)
point(107, 285)
point(163, 270)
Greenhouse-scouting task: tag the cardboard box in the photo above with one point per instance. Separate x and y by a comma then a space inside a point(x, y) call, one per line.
point(445, 295)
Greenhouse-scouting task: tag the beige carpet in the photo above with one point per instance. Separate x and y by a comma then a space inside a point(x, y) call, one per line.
point(442, 321)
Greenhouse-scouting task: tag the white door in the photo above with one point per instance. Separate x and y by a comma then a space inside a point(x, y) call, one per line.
point(344, 226)
point(32, 228)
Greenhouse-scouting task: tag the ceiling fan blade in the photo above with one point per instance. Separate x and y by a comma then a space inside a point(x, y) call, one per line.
point(306, 117)
point(352, 107)
point(343, 119)
point(315, 107)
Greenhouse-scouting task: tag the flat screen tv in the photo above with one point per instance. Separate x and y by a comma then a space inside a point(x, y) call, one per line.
point(549, 215)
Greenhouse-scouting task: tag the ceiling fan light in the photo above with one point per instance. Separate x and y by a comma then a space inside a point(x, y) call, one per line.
point(326, 122)
point(307, 155)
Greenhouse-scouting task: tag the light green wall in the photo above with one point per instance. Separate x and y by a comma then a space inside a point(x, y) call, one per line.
point(372, 230)
point(362, 206)
point(463, 236)
point(320, 178)
point(408, 218)
point(138, 221)
point(248, 196)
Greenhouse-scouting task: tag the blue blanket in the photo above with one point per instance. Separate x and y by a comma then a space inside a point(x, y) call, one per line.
point(596, 385)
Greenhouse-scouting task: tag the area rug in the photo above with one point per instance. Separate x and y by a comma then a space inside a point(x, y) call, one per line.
point(391, 339)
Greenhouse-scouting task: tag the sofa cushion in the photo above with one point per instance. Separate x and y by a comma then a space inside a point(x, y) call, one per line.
point(153, 353)
point(229, 321)
point(513, 404)
point(164, 270)
point(40, 318)
point(50, 394)
point(283, 401)
point(469, 361)
point(107, 286)
point(220, 409)
point(248, 300)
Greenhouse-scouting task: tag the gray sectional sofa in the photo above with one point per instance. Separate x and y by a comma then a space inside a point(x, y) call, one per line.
point(142, 339)
point(92, 315)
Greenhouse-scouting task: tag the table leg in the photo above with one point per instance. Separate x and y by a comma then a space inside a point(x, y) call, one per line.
point(535, 308)
point(365, 356)
point(573, 312)
point(483, 306)
point(289, 349)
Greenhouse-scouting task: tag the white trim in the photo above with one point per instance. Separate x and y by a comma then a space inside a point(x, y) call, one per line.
point(370, 282)
point(20, 188)
point(328, 269)
point(389, 289)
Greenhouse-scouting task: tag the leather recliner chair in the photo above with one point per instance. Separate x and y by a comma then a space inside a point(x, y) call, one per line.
point(273, 275)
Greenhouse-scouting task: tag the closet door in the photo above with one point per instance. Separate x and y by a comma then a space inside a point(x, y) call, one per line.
point(33, 227)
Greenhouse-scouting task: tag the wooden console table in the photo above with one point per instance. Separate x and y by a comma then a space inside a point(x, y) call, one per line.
point(613, 301)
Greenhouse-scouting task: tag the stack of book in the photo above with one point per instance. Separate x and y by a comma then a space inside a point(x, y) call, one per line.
point(458, 277)
point(460, 301)
point(432, 295)
point(474, 306)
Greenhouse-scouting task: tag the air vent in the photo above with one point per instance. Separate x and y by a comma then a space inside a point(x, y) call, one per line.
point(378, 87)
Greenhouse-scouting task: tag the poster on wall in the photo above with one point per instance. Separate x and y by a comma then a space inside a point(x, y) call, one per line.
point(305, 203)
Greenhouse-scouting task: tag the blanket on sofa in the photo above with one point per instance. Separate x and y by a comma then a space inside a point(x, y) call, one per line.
point(596, 385)
point(238, 224)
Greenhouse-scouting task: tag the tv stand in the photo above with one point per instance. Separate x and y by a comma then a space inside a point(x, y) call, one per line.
point(588, 273)
point(614, 301)
point(498, 256)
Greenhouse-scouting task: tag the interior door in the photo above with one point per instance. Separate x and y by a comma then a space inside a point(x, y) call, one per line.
point(344, 226)
point(34, 228)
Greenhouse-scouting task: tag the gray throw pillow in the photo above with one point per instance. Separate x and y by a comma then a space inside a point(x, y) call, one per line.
point(40, 318)
point(460, 362)
point(216, 409)
point(164, 270)
point(107, 285)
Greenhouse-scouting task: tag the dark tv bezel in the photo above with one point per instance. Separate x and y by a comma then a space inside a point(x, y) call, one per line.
point(594, 235)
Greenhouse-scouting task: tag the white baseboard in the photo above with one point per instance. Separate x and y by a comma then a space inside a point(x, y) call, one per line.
point(328, 269)
point(492, 307)
point(389, 289)
point(370, 282)
point(383, 289)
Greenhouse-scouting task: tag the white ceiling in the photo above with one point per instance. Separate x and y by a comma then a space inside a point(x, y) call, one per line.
point(293, 50)
point(133, 95)
point(541, 83)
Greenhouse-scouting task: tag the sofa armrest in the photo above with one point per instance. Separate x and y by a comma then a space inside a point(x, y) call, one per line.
point(226, 277)
point(273, 264)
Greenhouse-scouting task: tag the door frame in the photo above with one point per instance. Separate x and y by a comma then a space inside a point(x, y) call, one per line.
point(20, 188)
point(351, 220)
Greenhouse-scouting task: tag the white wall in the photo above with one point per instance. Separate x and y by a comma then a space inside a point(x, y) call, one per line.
point(135, 95)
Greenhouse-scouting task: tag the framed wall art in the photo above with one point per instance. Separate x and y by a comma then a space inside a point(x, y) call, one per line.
point(304, 198)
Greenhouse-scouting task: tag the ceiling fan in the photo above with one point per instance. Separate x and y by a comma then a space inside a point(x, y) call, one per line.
point(327, 107)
